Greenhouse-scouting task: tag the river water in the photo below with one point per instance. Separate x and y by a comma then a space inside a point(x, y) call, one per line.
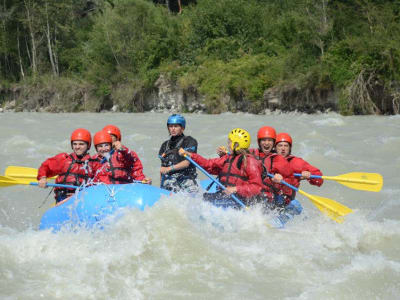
point(169, 251)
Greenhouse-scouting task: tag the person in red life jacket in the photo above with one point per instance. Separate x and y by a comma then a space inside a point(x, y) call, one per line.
point(297, 164)
point(239, 171)
point(72, 169)
point(113, 160)
point(137, 168)
point(276, 193)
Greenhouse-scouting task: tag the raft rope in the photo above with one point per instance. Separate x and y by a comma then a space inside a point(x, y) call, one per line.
point(47, 197)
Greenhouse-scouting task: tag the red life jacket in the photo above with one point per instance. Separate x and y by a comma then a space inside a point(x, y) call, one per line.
point(270, 188)
point(235, 172)
point(231, 173)
point(117, 170)
point(75, 170)
point(245, 176)
point(274, 163)
point(68, 168)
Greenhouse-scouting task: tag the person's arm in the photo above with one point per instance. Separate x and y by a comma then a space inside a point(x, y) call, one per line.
point(137, 169)
point(51, 167)
point(221, 151)
point(123, 154)
point(131, 161)
point(161, 152)
point(307, 170)
point(212, 166)
point(190, 145)
point(179, 166)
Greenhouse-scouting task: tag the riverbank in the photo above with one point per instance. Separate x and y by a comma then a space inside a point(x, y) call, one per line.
point(67, 95)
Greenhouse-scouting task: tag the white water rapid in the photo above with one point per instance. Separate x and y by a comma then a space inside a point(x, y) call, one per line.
point(166, 252)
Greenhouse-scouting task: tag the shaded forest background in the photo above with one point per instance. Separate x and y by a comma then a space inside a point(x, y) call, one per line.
point(94, 54)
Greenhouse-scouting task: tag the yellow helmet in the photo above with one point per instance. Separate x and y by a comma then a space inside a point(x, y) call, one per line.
point(241, 137)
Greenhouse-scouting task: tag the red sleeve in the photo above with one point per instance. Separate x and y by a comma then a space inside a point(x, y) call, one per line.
point(298, 164)
point(52, 166)
point(125, 156)
point(254, 185)
point(213, 165)
point(137, 168)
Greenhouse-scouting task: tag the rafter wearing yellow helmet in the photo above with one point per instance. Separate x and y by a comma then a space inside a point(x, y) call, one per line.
point(239, 139)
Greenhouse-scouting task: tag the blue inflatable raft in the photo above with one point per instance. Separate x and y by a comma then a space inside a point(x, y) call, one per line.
point(91, 206)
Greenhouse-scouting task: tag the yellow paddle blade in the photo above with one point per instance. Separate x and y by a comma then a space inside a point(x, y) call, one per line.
point(7, 181)
point(22, 173)
point(329, 207)
point(371, 182)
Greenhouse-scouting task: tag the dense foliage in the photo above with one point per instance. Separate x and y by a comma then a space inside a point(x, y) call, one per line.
point(238, 48)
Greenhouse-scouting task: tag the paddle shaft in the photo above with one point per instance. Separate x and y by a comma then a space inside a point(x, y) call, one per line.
point(338, 209)
point(57, 185)
point(285, 183)
point(215, 180)
point(297, 190)
point(70, 186)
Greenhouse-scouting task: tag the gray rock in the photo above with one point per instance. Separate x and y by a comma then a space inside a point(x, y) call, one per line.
point(10, 105)
point(115, 108)
point(171, 97)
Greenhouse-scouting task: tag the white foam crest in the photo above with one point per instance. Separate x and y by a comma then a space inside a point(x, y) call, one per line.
point(337, 121)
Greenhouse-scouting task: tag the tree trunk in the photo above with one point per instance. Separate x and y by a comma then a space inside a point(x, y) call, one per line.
point(19, 56)
point(50, 49)
point(33, 42)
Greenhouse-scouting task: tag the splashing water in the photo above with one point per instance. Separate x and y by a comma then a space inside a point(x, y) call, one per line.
point(185, 248)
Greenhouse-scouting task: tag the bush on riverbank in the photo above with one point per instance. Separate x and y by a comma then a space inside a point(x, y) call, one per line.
point(114, 51)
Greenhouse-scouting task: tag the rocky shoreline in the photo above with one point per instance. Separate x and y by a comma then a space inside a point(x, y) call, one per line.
point(165, 95)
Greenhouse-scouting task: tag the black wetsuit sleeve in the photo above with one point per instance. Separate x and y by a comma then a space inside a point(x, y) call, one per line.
point(190, 144)
point(162, 148)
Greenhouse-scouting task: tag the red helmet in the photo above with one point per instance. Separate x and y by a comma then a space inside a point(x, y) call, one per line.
point(284, 137)
point(81, 134)
point(266, 132)
point(111, 129)
point(102, 137)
